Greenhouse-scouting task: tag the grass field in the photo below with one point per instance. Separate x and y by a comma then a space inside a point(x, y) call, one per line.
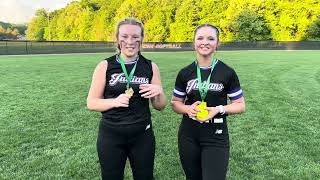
point(46, 132)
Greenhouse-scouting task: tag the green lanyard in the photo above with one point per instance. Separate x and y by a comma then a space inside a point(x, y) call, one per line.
point(203, 92)
point(123, 67)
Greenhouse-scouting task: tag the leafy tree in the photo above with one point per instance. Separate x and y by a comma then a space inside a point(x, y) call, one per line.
point(103, 23)
point(37, 26)
point(290, 19)
point(313, 31)
point(186, 20)
point(250, 26)
point(158, 27)
point(213, 12)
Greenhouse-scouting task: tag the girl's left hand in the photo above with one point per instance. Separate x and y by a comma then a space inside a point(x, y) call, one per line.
point(150, 90)
point(213, 111)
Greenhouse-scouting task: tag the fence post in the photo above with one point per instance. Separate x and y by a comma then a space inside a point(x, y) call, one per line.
point(27, 47)
point(7, 48)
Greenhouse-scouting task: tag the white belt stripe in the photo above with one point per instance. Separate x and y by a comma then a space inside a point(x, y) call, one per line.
point(178, 92)
point(235, 94)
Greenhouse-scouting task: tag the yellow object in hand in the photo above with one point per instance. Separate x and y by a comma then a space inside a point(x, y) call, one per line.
point(203, 113)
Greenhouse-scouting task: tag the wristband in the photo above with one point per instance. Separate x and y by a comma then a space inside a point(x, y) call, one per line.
point(222, 111)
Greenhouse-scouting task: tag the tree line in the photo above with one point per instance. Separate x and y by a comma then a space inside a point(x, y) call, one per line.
point(11, 31)
point(175, 20)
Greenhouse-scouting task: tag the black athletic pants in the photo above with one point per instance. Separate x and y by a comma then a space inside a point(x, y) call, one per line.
point(116, 144)
point(203, 150)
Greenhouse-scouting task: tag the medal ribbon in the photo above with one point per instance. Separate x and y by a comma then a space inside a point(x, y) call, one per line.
point(203, 92)
point(123, 67)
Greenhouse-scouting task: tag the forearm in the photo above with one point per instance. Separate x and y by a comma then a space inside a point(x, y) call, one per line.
point(235, 108)
point(159, 102)
point(179, 107)
point(100, 104)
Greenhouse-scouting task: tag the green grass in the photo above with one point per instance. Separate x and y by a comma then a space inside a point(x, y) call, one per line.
point(46, 132)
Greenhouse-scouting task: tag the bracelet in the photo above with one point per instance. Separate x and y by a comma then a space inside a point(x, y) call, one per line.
point(222, 111)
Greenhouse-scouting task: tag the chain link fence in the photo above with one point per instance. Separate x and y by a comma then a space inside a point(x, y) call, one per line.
point(8, 47)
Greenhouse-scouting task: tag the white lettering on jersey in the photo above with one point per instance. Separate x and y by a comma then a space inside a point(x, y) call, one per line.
point(193, 85)
point(119, 77)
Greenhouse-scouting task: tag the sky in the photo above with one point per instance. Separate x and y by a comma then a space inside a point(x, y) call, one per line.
point(21, 11)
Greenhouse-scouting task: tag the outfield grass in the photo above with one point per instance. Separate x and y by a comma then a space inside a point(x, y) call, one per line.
point(46, 132)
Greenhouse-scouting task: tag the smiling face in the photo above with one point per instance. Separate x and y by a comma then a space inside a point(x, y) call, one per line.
point(129, 40)
point(206, 41)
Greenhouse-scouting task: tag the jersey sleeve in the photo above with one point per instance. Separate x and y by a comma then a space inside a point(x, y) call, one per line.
point(180, 86)
point(234, 90)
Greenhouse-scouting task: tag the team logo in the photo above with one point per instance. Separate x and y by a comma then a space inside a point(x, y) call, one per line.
point(218, 131)
point(193, 85)
point(120, 78)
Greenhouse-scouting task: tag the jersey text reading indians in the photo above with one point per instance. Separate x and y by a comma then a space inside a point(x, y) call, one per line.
point(193, 85)
point(119, 77)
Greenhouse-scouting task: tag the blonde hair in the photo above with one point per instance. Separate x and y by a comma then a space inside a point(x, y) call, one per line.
point(130, 21)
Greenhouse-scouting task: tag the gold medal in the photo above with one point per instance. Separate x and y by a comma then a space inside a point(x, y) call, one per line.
point(129, 92)
point(203, 113)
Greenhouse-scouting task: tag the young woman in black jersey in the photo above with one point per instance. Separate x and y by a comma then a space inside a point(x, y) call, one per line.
point(201, 92)
point(121, 88)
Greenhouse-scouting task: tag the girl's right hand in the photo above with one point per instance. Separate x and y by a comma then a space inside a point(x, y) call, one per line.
point(192, 109)
point(121, 101)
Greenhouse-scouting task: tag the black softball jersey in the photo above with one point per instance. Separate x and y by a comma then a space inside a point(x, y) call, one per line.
point(224, 84)
point(116, 83)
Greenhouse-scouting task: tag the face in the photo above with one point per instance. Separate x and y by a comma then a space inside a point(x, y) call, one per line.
point(206, 41)
point(129, 39)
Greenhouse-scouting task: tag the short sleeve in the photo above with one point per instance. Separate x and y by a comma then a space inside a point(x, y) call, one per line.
point(180, 86)
point(234, 90)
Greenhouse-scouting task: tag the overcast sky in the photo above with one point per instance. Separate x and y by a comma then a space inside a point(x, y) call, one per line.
point(21, 11)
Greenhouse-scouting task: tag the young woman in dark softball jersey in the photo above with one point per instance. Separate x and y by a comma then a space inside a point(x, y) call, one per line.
point(201, 93)
point(121, 88)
